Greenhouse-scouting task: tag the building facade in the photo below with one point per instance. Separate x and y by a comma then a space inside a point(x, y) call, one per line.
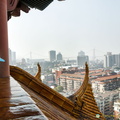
point(106, 101)
point(12, 57)
point(82, 59)
point(107, 83)
point(70, 83)
point(59, 57)
point(111, 60)
point(52, 55)
point(117, 110)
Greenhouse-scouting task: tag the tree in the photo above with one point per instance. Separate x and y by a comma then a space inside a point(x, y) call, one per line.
point(58, 88)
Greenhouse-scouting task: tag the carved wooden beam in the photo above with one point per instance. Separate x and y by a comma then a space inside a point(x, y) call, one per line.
point(11, 5)
point(14, 7)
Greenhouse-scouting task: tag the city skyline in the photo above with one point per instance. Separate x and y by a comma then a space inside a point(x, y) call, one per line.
point(91, 58)
point(79, 25)
point(34, 55)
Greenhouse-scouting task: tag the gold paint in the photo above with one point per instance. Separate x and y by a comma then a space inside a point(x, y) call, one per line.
point(38, 75)
point(79, 105)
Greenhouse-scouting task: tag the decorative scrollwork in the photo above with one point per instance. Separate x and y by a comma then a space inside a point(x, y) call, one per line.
point(12, 4)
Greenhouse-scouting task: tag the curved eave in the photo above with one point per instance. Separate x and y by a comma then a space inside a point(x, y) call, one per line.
point(42, 90)
point(85, 101)
point(80, 92)
point(79, 107)
point(38, 4)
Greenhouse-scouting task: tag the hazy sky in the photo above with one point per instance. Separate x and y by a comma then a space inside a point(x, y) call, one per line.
point(67, 27)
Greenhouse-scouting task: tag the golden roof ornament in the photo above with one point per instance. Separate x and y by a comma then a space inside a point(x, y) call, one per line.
point(80, 105)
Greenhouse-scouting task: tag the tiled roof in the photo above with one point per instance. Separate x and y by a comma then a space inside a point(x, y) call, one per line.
point(50, 110)
point(54, 105)
point(107, 77)
point(73, 75)
point(39, 4)
point(106, 94)
point(72, 79)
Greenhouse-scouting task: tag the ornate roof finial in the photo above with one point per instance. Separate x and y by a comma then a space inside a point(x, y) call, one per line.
point(38, 75)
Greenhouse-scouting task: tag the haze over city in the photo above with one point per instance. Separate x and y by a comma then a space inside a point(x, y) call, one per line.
point(67, 27)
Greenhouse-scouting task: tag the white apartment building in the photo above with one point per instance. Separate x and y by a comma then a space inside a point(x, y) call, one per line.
point(111, 60)
point(117, 110)
point(105, 102)
point(82, 59)
point(107, 83)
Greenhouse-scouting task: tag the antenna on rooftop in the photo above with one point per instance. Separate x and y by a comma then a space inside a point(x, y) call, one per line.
point(31, 55)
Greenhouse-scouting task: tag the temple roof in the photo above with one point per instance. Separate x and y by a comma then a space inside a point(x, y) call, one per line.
point(14, 7)
point(81, 105)
point(38, 4)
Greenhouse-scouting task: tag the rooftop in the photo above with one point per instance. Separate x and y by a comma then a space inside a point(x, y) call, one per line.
point(107, 77)
point(106, 94)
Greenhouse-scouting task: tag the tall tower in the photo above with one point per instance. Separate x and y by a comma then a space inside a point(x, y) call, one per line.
point(82, 58)
point(14, 58)
point(108, 60)
point(117, 60)
point(52, 55)
point(10, 56)
point(111, 60)
point(59, 57)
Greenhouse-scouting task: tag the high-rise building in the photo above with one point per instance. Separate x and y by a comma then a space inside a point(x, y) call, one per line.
point(111, 60)
point(52, 55)
point(12, 57)
point(117, 59)
point(117, 109)
point(108, 60)
point(82, 58)
point(59, 57)
point(105, 102)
